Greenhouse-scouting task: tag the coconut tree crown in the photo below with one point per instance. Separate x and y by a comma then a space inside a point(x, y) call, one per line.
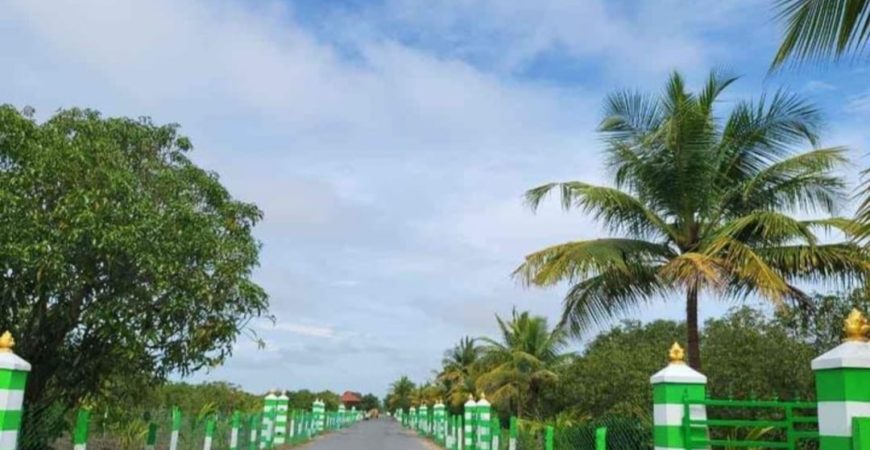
point(699, 204)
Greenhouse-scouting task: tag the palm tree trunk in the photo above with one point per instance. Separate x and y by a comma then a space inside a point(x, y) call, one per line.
point(692, 326)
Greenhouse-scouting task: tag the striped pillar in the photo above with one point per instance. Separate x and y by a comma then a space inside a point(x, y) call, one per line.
point(843, 385)
point(13, 378)
point(484, 422)
point(176, 428)
point(209, 433)
point(469, 412)
point(342, 414)
point(440, 422)
point(318, 408)
point(254, 428)
point(151, 437)
point(671, 386)
point(514, 434)
point(235, 424)
point(281, 405)
point(80, 436)
point(412, 418)
point(269, 404)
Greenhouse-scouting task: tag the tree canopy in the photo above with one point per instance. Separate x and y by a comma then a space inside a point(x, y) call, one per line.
point(122, 261)
point(702, 205)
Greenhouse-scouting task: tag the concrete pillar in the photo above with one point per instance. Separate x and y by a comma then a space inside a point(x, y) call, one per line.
point(843, 385)
point(671, 386)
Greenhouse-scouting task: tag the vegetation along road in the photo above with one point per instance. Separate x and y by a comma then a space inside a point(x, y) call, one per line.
point(380, 434)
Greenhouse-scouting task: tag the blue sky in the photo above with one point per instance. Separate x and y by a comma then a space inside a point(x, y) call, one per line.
point(389, 142)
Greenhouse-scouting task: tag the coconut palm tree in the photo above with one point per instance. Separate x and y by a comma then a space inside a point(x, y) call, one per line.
point(459, 371)
point(522, 362)
point(700, 204)
point(400, 393)
point(817, 29)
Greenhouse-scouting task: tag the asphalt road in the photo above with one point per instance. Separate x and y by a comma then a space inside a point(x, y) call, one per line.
point(380, 434)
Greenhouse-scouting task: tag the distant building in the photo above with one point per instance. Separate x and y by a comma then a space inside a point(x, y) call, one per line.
point(351, 399)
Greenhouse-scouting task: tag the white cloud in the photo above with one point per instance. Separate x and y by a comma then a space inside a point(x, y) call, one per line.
point(317, 331)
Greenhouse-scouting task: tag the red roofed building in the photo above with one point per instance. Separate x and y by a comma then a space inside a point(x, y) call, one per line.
point(351, 399)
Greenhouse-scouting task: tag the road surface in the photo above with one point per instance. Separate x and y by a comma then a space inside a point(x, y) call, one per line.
point(379, 434)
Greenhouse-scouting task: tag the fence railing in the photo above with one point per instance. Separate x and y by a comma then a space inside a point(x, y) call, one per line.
point(786, 423)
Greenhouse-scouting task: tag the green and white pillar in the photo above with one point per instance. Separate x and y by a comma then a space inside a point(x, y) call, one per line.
point(209, 433)
point(281, 406)
point(270, 402)
point(440, 422)
point(843, 386)
point(412, 418)
point(671, 386)
point(319, 410)
point(80, 436)
point(514, 433)
point(469, 413)
point(254, 428)
point(342, 414)
point(484, 422)
point(235, 424)
point(13, 378)
point(176, 428)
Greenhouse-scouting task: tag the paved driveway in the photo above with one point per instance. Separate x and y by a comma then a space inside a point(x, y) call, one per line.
point(379, 434)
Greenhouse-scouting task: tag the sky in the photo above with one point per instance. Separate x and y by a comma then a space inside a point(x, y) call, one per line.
point(389, 143)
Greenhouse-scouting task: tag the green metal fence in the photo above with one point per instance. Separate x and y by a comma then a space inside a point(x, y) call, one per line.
point(768, 424)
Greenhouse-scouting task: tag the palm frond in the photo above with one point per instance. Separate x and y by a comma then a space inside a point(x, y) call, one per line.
point(818, 29)
point(618, 210)
point(611, 293)
point(577, 260)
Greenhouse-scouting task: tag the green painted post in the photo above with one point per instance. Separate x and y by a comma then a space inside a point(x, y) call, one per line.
point(412, 418)
point(672, 387)
point(13, 378)
point(209, 433)
point(548, 438)
point(470, 412)
point(176, 428)
point(514, 434)
point(80, 436)
point(843, 385)
point(484, 422)
point(235, 424)
point(495, 428)
point(151, 437)
point(318, 408)
point(601, 438)
point(342, 415)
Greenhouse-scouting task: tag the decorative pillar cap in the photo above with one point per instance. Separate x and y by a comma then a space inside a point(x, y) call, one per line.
point(854, 351)
point(8, 359)
point(855, 326)
point(483, 401)
point(470, 401)
point(677, 370)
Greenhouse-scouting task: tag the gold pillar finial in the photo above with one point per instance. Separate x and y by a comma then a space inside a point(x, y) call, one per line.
point(482, 395)
point(6, 342)
point(676, 355)
point(855, 326)
point(471, 397)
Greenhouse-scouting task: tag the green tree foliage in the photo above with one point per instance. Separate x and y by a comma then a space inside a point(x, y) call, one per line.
point(820, 322)
point(822, 29)
point(122, 261)
point(400, 394)
point(369, 402)
point(522, 363)
point(459, 372)
point(702, 204)
point(612, 375)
